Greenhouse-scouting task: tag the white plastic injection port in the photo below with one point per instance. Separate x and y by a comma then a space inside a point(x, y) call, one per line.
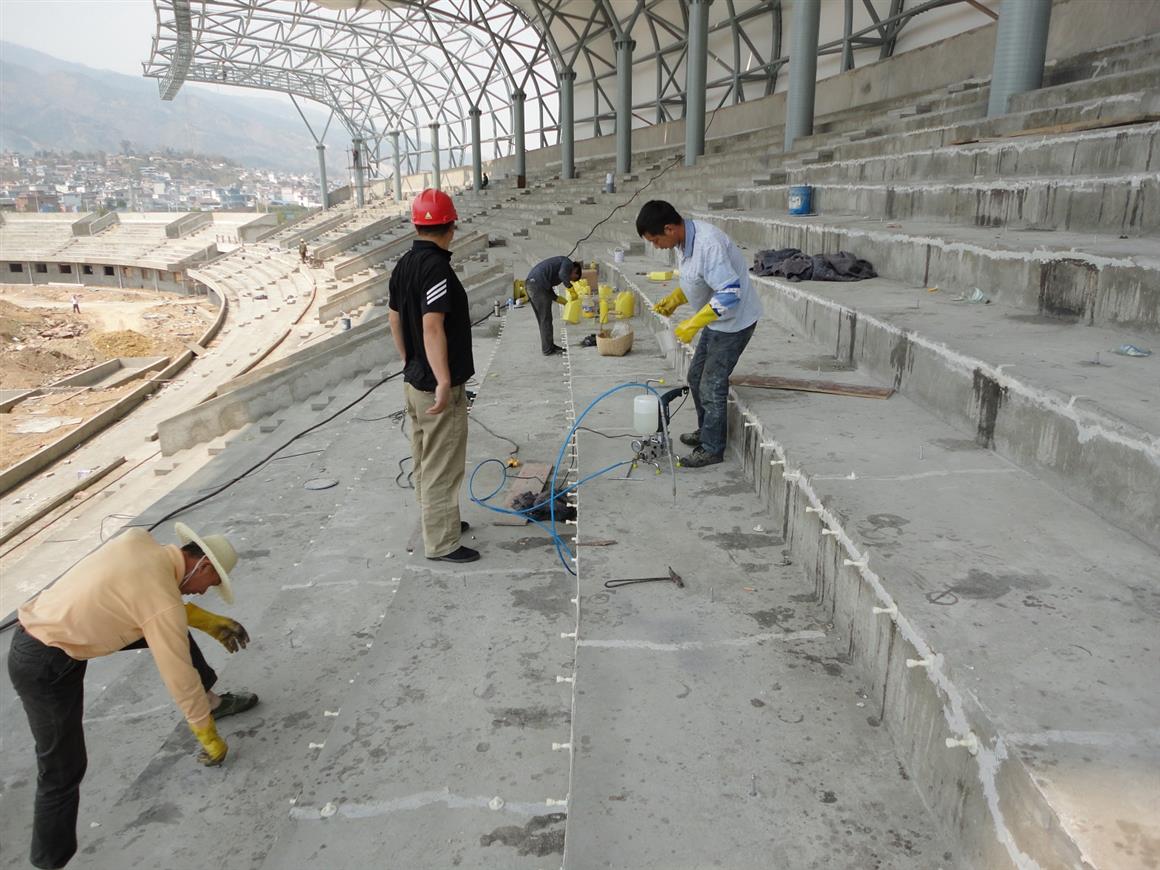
point(969, 743)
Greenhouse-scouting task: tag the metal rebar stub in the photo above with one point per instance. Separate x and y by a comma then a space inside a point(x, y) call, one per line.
point(671, 577)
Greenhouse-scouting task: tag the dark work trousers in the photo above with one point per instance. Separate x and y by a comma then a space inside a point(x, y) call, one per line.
point(542, 301)
point(708, 376)
point(51, 686)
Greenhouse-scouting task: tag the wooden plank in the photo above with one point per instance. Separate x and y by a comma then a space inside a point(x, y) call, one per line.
point(802, 385)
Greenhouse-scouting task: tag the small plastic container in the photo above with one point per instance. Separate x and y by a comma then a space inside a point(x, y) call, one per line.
point(800, 200)
point(646, 414)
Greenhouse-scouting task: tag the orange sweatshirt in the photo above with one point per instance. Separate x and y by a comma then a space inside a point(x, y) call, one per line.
point(113, 597)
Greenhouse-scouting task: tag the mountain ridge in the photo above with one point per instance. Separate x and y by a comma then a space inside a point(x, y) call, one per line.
point(58, 105)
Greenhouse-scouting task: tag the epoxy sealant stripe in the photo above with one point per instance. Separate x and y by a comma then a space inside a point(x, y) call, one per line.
point(748, 640)
point(374, 809)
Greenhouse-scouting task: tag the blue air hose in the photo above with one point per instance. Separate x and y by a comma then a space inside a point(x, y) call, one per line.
point(563, 551)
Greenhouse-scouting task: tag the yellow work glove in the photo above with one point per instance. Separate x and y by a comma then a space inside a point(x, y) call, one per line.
point(686, 329)
point(563, 300)
point(670, 303)
point(228, 632)
point(213, 748)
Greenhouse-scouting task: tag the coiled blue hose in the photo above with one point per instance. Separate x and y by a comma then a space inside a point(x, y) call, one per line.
point(563, 551)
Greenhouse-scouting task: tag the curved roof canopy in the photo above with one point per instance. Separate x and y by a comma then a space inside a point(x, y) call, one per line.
point(401, 65)
point(386, 66)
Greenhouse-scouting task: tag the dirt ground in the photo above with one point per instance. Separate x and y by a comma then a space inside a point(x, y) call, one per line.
point(42, 340)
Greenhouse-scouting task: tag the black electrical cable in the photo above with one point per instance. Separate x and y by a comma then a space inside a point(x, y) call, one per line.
point(495, 434)
point(12, 620)
point(603, 434)
point(272, 454)
point(639, 190)
point(485, 317)
point(410, 484)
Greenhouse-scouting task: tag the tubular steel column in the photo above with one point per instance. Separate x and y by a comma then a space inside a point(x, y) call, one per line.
point(696, 60)
point(1020, 49)
point(567, 125)
point(476, 150)
point(518, 137)
point(356, 154)
point(624, 47)
point(322, 174)
point(436, 177)
point(398, 166)
point(803, 71)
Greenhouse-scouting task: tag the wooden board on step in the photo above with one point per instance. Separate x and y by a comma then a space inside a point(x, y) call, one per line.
point(805, 385)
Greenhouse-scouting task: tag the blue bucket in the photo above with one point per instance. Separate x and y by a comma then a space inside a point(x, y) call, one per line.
point(801, 199)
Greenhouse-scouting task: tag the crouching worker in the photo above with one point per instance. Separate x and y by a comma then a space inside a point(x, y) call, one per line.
point(716, 277)
point(541, 288)
point(125, 595)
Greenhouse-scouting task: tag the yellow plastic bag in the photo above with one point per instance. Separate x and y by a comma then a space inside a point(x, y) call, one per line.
point(625, 303)
point(572, 311)
point(582, 287)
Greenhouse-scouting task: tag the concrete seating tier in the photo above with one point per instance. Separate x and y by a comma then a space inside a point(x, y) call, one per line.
point(1003, 504)
point(918, 513)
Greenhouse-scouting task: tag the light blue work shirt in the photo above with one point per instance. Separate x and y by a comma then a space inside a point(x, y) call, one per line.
point(714, 272)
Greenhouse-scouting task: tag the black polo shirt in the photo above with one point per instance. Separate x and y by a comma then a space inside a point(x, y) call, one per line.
point(423, 281)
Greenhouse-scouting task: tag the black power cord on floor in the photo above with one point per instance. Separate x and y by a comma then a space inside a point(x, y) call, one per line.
point(12, 619)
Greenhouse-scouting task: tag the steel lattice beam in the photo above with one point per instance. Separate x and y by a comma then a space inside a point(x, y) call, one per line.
point(399, 65)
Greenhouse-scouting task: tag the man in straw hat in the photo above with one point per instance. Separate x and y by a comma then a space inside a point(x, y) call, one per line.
point(124, 595)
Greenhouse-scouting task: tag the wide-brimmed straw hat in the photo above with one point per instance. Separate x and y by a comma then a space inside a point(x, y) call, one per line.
point(218, 550)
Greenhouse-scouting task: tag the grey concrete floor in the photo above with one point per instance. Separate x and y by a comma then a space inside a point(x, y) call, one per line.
point(413, 713)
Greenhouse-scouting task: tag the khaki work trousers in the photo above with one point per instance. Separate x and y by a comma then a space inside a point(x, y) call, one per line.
point(439, 450)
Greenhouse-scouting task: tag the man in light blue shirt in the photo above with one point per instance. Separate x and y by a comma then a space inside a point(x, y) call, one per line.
point(715, 277)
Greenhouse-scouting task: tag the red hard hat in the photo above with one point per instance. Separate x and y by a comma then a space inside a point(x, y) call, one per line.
point(432, 208)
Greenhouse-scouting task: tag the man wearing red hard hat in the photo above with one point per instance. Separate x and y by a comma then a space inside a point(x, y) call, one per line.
point(432, 331)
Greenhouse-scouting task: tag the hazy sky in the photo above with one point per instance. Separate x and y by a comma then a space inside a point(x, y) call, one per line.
point(114, 35)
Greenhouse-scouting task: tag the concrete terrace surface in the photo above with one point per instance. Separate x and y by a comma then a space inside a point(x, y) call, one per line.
point(419, 714)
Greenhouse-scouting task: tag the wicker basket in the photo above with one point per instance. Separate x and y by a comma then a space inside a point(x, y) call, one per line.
point(619, 345)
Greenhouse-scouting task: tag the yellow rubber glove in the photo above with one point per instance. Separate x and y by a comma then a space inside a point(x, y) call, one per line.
point(213, 748)
point(686, 329)
point(562, 300)
point(228, 632)
point(670, 303)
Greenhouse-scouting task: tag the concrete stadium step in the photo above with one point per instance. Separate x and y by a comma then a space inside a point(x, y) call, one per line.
point(1096, 280)
point(1026, 722)
point(1146, 77)
point(1115, 151)
point(1106, 60)
point(717, 724)
point(935, 136)
point(1126, 204)
point(1014, 381)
